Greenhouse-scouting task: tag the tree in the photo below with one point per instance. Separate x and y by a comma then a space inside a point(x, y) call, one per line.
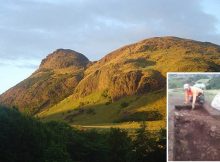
point(144, 145)
point(119, 144)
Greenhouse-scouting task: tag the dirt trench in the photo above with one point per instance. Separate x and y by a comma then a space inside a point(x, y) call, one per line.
point(194, 135)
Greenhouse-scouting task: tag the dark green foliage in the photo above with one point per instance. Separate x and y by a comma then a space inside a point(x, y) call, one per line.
point(172, 85)
point(81, 110)
point(87, 146)
point(24, 139)
point(90, 111)
point(124, 104)
point(149, 147)
point(108, 103)
point(196, 78)
point(28, 140)
point(214, 83)
point(178, 82)
point(153, 115)
point(120, 145)
point(141, 116)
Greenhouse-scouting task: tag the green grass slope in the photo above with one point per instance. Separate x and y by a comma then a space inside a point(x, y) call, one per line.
point(96, 110)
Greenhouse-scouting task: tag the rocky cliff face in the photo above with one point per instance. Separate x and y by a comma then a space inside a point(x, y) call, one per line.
point(64, 58)
point(141, 67)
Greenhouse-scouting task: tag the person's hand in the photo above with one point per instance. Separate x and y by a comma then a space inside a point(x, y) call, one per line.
point(185, 102)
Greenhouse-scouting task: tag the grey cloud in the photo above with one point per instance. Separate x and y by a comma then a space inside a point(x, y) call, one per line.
point(32, 29)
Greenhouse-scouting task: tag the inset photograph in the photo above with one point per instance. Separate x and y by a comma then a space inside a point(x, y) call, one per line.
point(193, 109)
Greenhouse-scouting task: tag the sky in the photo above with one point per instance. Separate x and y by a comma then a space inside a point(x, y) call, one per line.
point(32, 29)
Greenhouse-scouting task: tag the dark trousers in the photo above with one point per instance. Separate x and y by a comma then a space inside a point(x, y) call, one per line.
point(199, 99)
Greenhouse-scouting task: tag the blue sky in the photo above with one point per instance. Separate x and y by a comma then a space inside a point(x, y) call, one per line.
point(31, 29)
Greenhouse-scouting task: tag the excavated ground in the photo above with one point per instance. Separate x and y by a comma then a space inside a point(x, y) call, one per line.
point(193, 134)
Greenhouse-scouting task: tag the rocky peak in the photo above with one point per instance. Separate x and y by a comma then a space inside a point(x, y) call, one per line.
point(63, 58)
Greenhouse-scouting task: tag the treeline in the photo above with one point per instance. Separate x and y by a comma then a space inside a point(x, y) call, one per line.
point(214, 83)
point(26, 139)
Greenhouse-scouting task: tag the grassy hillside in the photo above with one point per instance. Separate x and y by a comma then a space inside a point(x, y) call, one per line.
point(96, 109)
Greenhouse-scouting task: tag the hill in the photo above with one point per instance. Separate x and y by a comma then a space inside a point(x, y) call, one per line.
point(142, 67)
point(126, 85)
point(55, 80)
point(129, 84)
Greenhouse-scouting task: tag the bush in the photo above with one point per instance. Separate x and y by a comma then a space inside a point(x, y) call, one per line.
point(124, 104)
point(90, 111)
point(105, 93)
point(142, 116)
point(81, 104)
point(119, 145)
point(154, 115)
point(172, 85)
point(148, 146)
point(108, 103)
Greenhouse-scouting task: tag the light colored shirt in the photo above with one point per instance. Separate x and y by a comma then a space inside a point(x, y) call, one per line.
point(194, 92)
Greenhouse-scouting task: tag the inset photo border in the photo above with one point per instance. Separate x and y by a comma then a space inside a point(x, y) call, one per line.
point(193, 116)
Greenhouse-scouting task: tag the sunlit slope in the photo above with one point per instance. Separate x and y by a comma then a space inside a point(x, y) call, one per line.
point(129, 80)
point(95, 109)
point(127, 84)
point(141, 67)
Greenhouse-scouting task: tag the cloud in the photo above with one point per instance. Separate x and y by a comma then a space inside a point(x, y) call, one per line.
point(32, 29)
point(20, 64)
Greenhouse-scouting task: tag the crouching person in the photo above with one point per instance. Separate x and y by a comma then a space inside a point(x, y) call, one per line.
point(193, 94)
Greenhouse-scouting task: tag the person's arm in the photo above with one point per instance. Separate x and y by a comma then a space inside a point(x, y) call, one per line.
point(194, 100)
point(186, 98)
